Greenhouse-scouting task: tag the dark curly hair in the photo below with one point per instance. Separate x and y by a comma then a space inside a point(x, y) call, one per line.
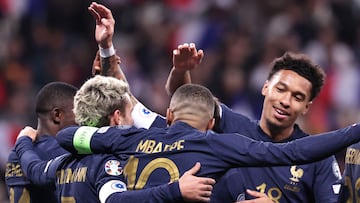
point(302, 65)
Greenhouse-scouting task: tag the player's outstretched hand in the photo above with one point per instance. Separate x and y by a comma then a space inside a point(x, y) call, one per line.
point(260, 197)
point(29, 132)
point(105, 23)
point(187, 57)
point(194, 188)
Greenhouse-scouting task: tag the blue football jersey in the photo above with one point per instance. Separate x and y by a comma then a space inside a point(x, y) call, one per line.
point(350, 192)
point(19, 187)
point(159, 156)
point(314, 182)
point(88, 178)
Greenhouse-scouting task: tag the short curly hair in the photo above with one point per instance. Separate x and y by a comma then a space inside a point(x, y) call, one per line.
point(98, 98)
point(302, 65)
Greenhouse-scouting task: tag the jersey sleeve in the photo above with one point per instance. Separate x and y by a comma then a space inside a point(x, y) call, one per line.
point(144, 118)
point(14, 175)
point(38, 171)
point(239, 150)
point(110, 183)
point(159, 194)
point(15, 179)
point(91, 140)
point(229, 120)
point(327, 181)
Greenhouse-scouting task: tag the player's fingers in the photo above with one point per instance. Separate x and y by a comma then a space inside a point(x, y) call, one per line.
point(192, 49)
point(118, 60)
point(255, 193)
point(103, 11)
point(176, 52)
point(96, 70)
point(194, 169)
point(95, 15)
point(201, 198)
point(200, 53)
point(208, 181)
point(206, 194)
point(184, 49)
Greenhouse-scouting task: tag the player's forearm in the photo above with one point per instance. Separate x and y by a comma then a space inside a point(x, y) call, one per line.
point(86, 140)
point(242, 151)
point(164, 193)
point(177, 78)
point(31, 163)
point(111, 67)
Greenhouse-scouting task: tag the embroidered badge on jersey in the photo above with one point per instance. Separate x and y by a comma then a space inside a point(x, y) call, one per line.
point(111, 187)
point(145, 112)
point(296, 173)
point(118, 186)
point(336, 169)
point(112, 167)
point(240, 197)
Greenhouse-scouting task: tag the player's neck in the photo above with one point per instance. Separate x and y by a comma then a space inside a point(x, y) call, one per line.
point(193, 122)
point(277, 133)
point(43, 128)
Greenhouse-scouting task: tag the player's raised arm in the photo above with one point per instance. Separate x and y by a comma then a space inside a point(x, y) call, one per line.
point(106, 61)
point(185, 58)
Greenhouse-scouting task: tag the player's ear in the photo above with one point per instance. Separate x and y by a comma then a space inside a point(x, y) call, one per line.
point(56, 115)
point(307, 107)
point(169, 116)
point(264, 88)
point(211, 124)
point(115, 118)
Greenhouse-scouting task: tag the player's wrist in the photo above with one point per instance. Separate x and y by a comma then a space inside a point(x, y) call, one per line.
point(107, 52)
point(179, 71)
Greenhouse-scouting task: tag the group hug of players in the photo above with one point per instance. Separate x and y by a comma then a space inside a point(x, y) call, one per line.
point(98, 143)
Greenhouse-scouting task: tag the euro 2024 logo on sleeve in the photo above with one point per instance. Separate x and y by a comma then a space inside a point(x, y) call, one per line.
point(112, 167)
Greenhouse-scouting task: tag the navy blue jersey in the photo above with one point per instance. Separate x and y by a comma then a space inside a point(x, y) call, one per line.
point(159, 155)
point(350, 192)
point(313, 182)
point(88, 178)
point(19, 187)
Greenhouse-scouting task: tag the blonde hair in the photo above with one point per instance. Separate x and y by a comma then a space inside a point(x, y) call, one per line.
point(98, 98)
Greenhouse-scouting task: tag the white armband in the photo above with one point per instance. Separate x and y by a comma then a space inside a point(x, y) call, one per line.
point(143, 117)
point(104, 53)
point(111, 187)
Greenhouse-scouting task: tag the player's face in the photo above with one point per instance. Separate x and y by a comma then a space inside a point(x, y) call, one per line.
point(286, 97)
point(127, 118)
point(68, 117)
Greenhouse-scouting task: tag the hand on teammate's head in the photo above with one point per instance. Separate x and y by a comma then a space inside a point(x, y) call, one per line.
point(28, 132)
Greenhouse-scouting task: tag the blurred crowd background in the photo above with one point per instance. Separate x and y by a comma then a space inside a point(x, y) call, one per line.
point(53, 40)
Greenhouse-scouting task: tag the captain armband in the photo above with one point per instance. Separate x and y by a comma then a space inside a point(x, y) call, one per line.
point(82, 138)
